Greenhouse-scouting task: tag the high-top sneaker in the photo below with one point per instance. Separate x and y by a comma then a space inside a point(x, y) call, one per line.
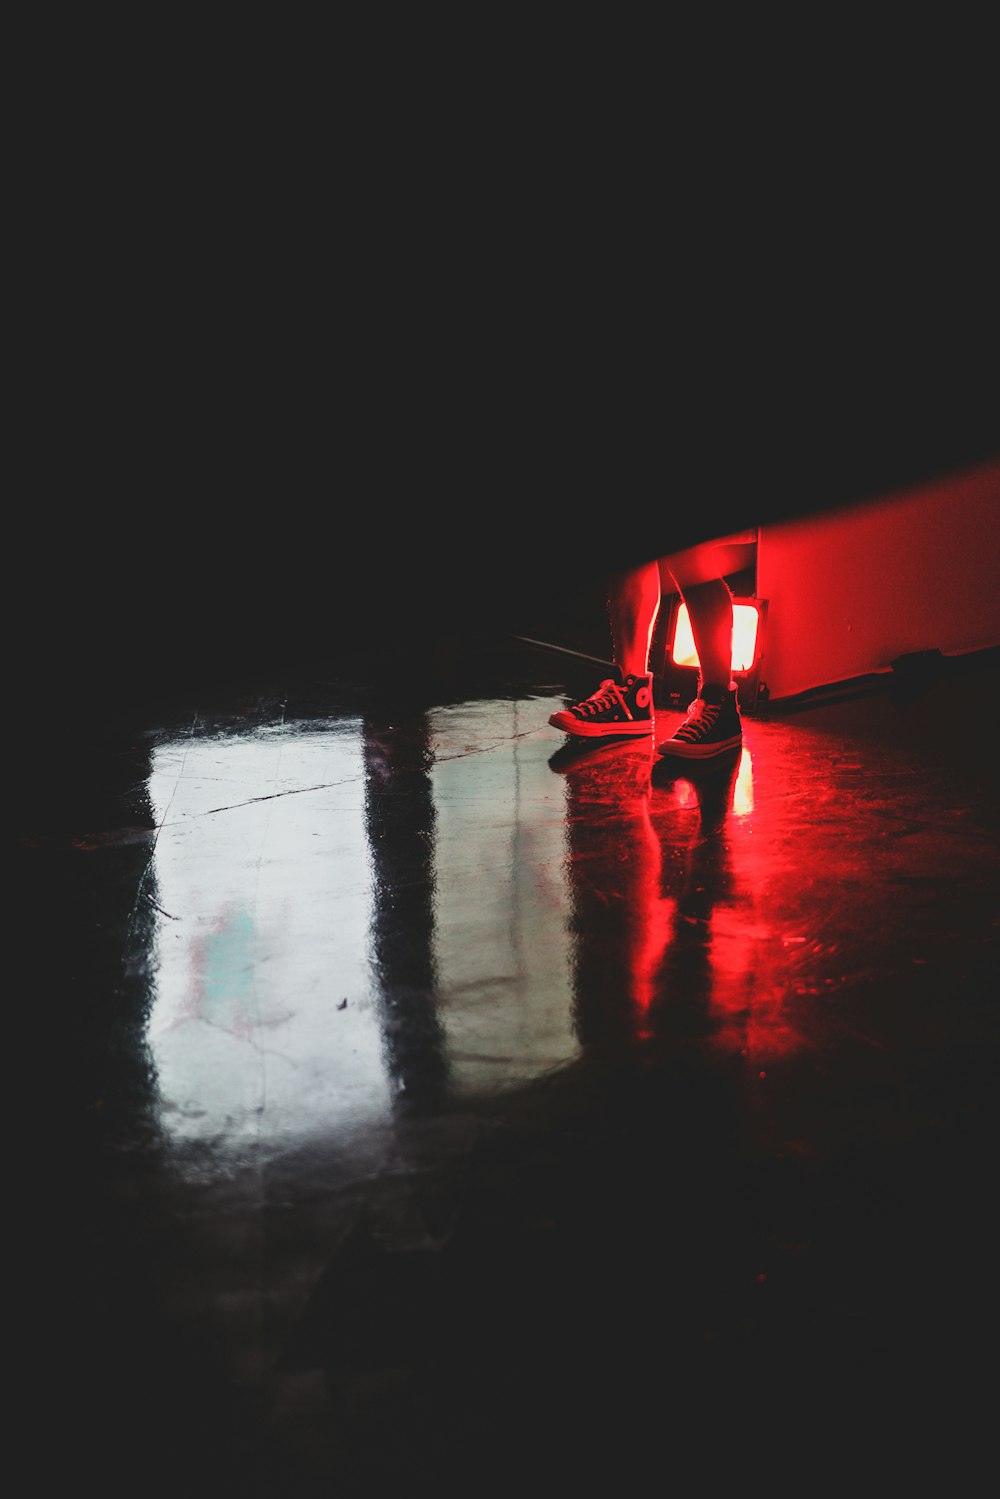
point(711, 728)
point(620, 706)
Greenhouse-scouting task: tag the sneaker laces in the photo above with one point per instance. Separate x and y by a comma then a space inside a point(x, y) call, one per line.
point(701, 716)
point(606, 696)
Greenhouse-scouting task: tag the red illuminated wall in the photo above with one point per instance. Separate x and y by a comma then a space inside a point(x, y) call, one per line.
point(847, 592)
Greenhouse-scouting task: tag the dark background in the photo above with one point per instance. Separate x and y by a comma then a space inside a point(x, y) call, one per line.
point(320, 358)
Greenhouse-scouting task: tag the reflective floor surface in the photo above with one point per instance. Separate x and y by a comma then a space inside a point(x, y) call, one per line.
point(444, 1104)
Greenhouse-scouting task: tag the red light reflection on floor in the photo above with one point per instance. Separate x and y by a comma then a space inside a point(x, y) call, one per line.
point(680, 910)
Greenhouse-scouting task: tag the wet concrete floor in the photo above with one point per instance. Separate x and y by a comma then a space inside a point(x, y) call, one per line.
point(442, 1105)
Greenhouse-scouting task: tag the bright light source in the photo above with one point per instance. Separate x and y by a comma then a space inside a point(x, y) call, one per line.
point(746, 624)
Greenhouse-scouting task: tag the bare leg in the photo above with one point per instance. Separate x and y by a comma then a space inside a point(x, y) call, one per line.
point(712, 727)
point(710, 606)
point(699, 576)
point(633, 604)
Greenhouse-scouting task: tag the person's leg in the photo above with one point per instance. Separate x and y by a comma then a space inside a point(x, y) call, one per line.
point(712, 727)
point(698, 575)
point(625, 705)
point(633, 604)
point(622, 706)
point(710, 608)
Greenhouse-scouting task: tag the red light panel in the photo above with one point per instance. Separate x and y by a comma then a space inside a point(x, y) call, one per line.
point(746, 632)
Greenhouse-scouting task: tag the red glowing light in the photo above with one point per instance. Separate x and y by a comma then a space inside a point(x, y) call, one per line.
point(746, 626)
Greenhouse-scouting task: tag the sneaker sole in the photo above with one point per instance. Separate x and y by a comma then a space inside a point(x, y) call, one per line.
point(598, 730)
point(698, 751)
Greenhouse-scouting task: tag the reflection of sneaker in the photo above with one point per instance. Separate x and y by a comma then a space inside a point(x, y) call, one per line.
point(711, 728)
point(620, 706)
point(614, 758)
